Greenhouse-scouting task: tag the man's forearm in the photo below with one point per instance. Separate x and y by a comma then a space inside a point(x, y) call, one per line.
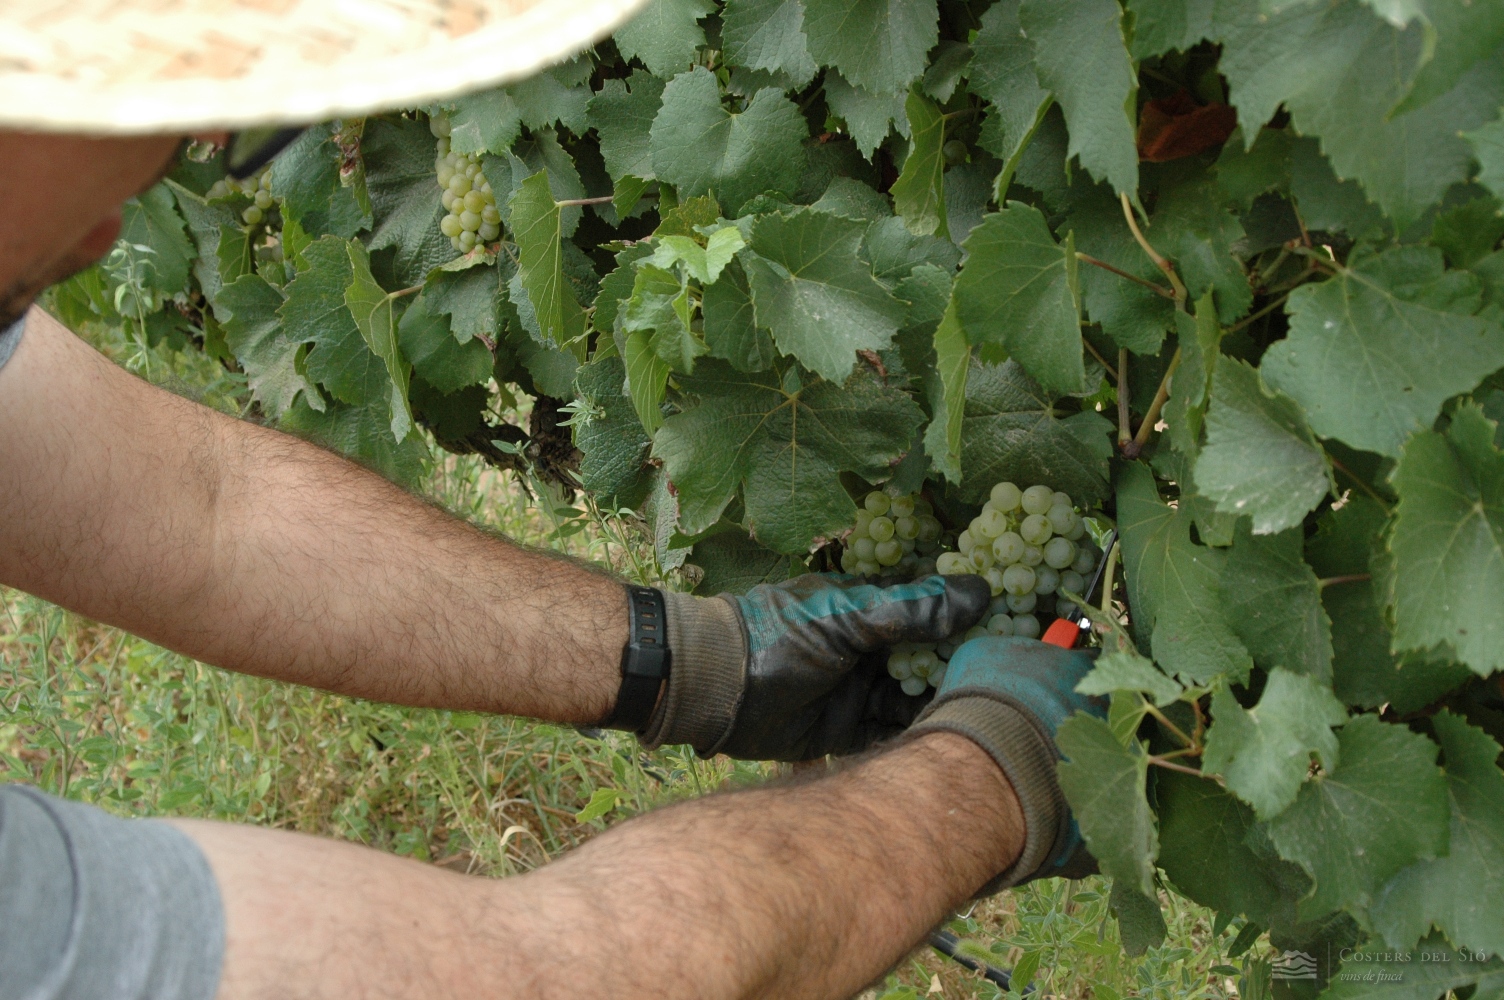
point(802, 891)
point(250, 549)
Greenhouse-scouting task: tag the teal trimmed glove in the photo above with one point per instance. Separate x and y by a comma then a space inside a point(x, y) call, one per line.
point(1009, 696)
point(798, 670)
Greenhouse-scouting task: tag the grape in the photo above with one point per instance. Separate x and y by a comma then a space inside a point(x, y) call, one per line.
point(1000, 624)
point(901, 506)
point(938, 677)
point(1037, 499)
point(489, 232)
point(865, 548)
point(929, 528)
point(450, 225)
point(1085, 561)
point(1035, 529)
point(1062, 518)
point(459, 185)
point(924, 661)
point(252, 215)
point(881, 529)
point(1080, 529)
point(439, 126)
point(906, 527)
point(975, 632)
point(1022, 603)
point(470, 220)
point(907, 544)
point(951, 563)
point(1026, 626)
point(922, 507)
point(1033, 555)
point(490, 216)
point(877, 502)
point(1006, 497)
point(1072, 581)
point(994, 577)
point(475, 202)
point(981, 558)
point(263, 199)
point(863, 522)
point(914, 686)
point(924, 567)
point(1060, 497)
point(849, 562)
point(993, 523)
point(869, 567)
point(888, 552)
point(965, 543)
point(467, 242)
point(900, 666)
point(1046, 579)
point(954, 152)
point(999, 606)
point(1018, 579)
point(1059, 552)
point(1008, 548)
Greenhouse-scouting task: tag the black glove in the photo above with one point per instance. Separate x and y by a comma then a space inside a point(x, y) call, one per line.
point(797, 670)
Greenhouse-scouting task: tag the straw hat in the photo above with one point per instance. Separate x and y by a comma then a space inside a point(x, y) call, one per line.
point(135, 66)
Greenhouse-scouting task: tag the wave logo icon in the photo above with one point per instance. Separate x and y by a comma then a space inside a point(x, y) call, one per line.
point(1293, 965)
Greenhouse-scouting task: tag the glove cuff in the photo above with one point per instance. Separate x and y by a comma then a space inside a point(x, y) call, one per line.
point(705, 685)
point(1027, 757)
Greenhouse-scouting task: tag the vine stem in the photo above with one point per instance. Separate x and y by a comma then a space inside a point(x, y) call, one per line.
point(603, 199)
point(1125, 428)
point(1155, 406)
point(1159, 260)
point(1100, 360)
point(1255, 317)
point(1094, 262)
point(1164, 721)
point(1362, 485)
point(1112, 562)
point(1332, 581)
point(1158, 761)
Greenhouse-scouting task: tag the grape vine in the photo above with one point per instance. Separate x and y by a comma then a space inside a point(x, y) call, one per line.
point(820, 284)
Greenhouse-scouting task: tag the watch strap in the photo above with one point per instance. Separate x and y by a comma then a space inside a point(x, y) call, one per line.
point(645, 661)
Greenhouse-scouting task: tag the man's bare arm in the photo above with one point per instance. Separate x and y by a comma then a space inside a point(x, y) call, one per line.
point(256, 551)
point(810, 890)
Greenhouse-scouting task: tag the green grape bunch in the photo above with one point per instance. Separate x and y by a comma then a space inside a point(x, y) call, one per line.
point(919, 665)
point(257, 187)
point(893, 536)
point(473, 216)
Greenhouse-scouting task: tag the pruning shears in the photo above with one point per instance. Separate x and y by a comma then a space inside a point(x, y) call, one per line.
point(1066, 630)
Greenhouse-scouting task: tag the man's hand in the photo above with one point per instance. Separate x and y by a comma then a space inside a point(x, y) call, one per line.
point(1009, 696)
point(794, 671)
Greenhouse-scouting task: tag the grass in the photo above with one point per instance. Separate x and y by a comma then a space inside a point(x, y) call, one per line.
point(100, 716)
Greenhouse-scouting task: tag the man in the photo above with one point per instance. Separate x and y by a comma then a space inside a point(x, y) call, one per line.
point(257, 552)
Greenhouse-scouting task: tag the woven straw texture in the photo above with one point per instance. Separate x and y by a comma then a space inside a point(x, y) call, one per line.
point(133, 66)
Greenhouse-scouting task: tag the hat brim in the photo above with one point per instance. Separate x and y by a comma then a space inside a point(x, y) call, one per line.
point(507, 49)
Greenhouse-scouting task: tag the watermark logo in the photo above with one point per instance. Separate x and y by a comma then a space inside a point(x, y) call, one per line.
point(1293, 965)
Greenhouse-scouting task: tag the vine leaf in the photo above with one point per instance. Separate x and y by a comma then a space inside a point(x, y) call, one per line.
point(405, 206)
point(1069, 34)
point(1019, 289)
point(919, 192)
point(1462, 893)
point(1361, 356)
point(731, 327)
point(1011, 431)
point(1194, 228)
point(1381, 809)
point(812, 289)
point(1448, 543)
point(1274, 603)
point(1175, 586)
point(1124, 669)
point(1141, 923)
point(363, 433)
point(1134, 316)
point(1264, 753)
point(1002, 72)
point(1465, 35)
point(1200, 340)
point(700, 147)
point(943, 437)
point(340, 360)
point(1488, 145)
point(1260, 458)
point(660, 307)
point(371, 307)
point(868, 116)
point(151, 219)
point(273, 363)
point(733, 563)
point(1104, 781)
point(437, 354)
point(785, 444)
point(877, 44)
point(536, 228)
point(768, 35)
point(470, 297)
point(622, 114)
point(612, 442)
point(487, 122)
point(665, 35)
point(647, 378)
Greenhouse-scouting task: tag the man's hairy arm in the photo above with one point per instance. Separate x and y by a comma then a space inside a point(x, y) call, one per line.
point(809, 890)
point(253, 550)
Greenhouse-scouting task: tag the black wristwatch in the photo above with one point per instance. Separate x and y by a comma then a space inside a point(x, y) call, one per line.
point(645, 661)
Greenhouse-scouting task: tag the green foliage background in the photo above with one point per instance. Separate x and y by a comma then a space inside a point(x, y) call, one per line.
point(762, 255)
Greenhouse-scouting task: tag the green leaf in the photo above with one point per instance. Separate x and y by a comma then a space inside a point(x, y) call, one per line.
point(1104, 783)
point(536, 228)
point(1261, 458)
point(1190, 388)
point(272, 362)
point(315, 312)
point(665, 35)
point(731, 328)
point(785, 445)
point(1175, 586)
point(1488, 145)
point(371, 307)
point(1326, 202)
point(854, 200)
point(1462, 893)
point(1193, 227)
point(602, 801)
point(768, 35)
point(405, 206)
point(868, 116)
point(1274, 603)
point(1141, 924)
point(541, 151)
point(1124, 669)
point(362, 433)
point(814, 292)
point(943, 437)
point(1448, 542)
point(151, 219)
point(487, 122)
point(1098, 106)
point(1383, 808)
point(700, 147)
point(1002, 73)
point(732, 563)
point(660, 307)
point(622, 114)
point(436, 353)
point(704, 263)
point(1019, 289)
point(558, 96)
point(877, 44)
point(1264, 753)
point(1134, 316)
point(612, 442)
point(470, 297)
point(1465, 33)
point(1208, 850)
point(1468, 232)
point(1371, 974)
point(1160, 26)
point(1363, 349)
point(919, 192)
point(208, 227)
point(895, 252)
point(1012, 432)
point(1244, 172)
point(647, 378)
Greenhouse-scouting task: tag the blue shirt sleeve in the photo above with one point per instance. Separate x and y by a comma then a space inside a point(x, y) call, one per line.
point(9, 338)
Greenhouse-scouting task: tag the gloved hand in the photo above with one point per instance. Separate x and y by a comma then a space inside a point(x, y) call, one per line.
point(1009, 696)
point(797, 670)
